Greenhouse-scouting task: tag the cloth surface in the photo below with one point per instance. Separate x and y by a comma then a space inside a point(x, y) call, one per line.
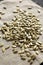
point(8, 58)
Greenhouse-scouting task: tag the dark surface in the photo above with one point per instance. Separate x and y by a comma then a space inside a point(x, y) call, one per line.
point(41, 63)
point(39, 2)
point(1, 0)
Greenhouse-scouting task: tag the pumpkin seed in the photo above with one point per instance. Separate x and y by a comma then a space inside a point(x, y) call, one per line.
point(3, 49)
point(31, 62)
point(21, 52)
point(22, 55)
point(33, 57)
point(29, 7)
point(13, 46)
point(41, 50)
point(37, 52)
point(26, 50)
point(2, 13)
point(14, 12)
point(1, 44)
point(38, 11)
point(29, 59)
point(23, 58)
point(27, 54)
point(7, 47)
point(14, 50)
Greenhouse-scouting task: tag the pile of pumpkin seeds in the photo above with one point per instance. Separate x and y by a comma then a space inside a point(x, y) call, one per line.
point(24, 33)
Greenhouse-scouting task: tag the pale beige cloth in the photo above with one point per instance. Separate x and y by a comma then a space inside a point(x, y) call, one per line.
point(8, 58)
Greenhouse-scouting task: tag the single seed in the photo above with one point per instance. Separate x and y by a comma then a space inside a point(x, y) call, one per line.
point(33, 57)
point(37, 52)
point(6, 24)
point(3, 49)
point(13, 46)
point(14, 51)
point(29, 7)
point(15, 12)
point(33, 16)
point(25, 46)
point(1, 44)
point(21, 52)
point(26, 50)
point(23, 58)
point(27, 54)
point(22, 55)
point(13, 43)
point(31, 62)
point(29, 59)
point(2, 13)
point(38, 11)
point(8, 39)
point(7, 47)
point(41, 50)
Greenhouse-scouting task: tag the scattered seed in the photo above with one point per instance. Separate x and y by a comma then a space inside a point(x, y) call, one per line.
point(7, 47)
point(3, 49)
point(29, 7)
point(15, 12)
point(38, 11)
point(24, 32)
point(1, 44)
point(2, 13)
point(17, 6)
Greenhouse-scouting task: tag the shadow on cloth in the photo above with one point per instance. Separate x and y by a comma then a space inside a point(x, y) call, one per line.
point(39, 2)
